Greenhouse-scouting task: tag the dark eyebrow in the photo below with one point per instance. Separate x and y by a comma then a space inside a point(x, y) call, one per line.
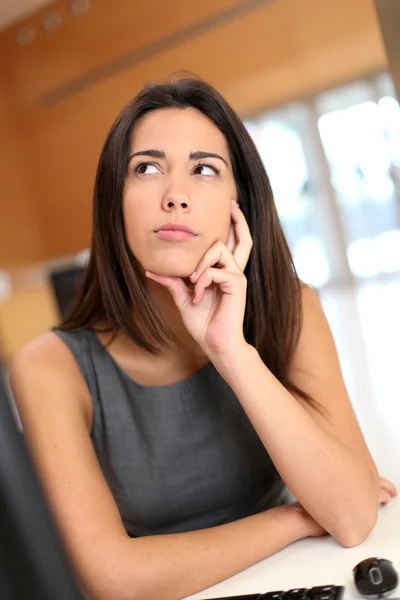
point(152, 153)
point(193, 155)
point(199, 155)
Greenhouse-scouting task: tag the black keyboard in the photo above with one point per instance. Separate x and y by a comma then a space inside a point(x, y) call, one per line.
point(322, 592)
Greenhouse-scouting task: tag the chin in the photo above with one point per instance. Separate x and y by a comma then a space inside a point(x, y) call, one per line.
point(173, 261)
point(177, 272)
point(172, 268)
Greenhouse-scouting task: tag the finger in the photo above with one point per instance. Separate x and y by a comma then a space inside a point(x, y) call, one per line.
point(227, 281)
point(388, 486)
point(243, 236)
point(177, 287)
point(384, 497)
point(231, 243)
point(218, 253)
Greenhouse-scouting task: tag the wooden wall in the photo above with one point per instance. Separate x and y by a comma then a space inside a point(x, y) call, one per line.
point(27, 313)
point(60, 94)
point(19, 226)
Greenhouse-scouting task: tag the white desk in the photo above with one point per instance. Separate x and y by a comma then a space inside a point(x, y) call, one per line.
point(317, 561)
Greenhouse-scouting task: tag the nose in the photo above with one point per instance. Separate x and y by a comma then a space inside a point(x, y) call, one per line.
point(176, 195)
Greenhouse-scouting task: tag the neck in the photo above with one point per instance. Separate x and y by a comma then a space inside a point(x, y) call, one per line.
point(185, 343)
point(183, 348)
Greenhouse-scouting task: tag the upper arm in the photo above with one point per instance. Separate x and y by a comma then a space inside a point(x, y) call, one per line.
point(316, 370)
point(52, 400)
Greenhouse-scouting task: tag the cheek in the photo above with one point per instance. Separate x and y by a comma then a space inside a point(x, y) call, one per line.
point(218, 229)
point(136, 197)
point(134, 218)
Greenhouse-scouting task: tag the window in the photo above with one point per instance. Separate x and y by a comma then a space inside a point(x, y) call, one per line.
point(334, 166)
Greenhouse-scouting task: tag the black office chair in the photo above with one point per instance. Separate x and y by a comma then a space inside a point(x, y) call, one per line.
point(33, 564)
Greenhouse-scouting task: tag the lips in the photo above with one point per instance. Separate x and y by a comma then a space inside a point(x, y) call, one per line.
point(175, 227)
point(174, 235)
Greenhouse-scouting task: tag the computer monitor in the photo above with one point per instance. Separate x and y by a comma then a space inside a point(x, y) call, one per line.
point(33, 563)
point(65, 283)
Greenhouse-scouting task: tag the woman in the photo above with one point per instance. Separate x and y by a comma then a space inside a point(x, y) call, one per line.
point(195, 380)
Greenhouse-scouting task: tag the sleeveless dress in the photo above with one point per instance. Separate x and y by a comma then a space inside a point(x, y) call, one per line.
point(176, 457)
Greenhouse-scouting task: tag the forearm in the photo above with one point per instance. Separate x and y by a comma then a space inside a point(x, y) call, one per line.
point(178, 565)
point(329, 479)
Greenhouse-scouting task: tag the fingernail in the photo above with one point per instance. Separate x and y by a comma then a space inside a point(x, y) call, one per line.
point(193, 275)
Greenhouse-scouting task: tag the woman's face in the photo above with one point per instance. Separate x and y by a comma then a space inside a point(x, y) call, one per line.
point(179, 171)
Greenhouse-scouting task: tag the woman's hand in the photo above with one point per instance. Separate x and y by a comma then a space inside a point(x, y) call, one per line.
point(387, 492)
point(213, 311)
point(313, 529)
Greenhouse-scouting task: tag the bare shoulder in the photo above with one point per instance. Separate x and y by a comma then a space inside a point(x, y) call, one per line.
point(316, 370)
point(315, 367)
point(51, 397)
point(315, 333)
point(46, 365)
point(310, 301)
point(41, 350)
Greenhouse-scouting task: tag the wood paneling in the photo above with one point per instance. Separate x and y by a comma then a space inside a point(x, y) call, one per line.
point(109, 31)
point(19, 227)
point(26, 314)
point(279, 51)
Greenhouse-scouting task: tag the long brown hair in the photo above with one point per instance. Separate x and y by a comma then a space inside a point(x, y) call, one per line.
point(114, 290)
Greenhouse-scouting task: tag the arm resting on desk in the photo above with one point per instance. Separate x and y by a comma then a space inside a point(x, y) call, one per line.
point(320, 453)
point(178, 565)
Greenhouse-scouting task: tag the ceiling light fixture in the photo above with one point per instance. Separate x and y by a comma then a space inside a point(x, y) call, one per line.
point(25, 36)
point(51, 21)
point(79, 7)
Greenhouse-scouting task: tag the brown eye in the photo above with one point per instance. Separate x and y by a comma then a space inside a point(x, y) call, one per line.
point(146, 169)
point(206, 170)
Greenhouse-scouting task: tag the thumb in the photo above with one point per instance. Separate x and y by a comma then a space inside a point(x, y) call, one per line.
point(177, 287)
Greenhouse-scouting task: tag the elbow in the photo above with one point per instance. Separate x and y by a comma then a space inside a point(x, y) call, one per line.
point(351, 539)
point(355, 526)
point(357, 530)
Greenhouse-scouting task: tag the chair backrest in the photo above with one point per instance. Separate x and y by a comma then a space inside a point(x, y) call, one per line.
point(33, 563)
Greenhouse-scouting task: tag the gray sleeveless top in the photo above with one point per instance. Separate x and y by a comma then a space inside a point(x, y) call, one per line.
point(176, 457)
